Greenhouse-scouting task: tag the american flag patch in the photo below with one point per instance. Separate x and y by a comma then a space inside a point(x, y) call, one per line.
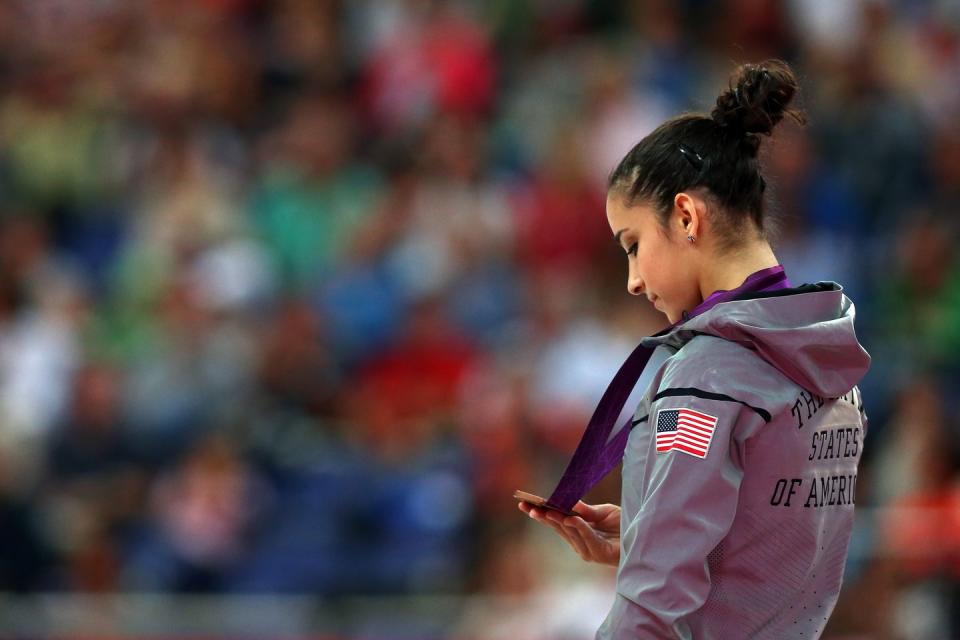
point(684, 430)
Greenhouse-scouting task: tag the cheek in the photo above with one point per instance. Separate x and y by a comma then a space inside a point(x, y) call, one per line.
point(668, 276)
point(658, 270)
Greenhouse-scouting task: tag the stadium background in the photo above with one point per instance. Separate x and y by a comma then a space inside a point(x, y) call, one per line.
point(294, 294)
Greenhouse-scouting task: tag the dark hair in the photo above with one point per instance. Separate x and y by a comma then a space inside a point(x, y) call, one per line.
point(718, 152)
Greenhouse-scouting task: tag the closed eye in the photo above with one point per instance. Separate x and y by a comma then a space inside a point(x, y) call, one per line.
point(632, 250)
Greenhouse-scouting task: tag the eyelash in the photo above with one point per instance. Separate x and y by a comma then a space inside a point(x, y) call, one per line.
point(632, 250)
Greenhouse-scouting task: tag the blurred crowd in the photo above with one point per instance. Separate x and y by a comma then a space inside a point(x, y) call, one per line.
point(295, 293)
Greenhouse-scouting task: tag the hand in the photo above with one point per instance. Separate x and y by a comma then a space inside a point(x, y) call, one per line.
point(594, 534)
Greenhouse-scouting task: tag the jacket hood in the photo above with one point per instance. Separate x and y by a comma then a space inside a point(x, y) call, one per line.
point(806, 332)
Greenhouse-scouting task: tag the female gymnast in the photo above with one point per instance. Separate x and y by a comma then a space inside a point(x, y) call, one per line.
point(740, 468)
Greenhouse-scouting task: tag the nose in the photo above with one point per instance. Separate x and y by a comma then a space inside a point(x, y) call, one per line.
point(635, 285)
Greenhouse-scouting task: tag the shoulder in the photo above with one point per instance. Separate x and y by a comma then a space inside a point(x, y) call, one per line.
point(724, 363)
point(712, 367)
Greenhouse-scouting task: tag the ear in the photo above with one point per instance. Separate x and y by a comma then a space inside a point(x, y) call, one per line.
point(688, 214)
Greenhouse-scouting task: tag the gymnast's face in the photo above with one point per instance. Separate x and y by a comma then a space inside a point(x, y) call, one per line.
point(662, 263)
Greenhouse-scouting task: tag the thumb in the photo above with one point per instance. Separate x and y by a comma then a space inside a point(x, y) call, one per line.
point(586, 511)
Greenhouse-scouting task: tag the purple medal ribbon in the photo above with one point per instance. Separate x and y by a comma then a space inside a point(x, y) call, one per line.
point(595, 457)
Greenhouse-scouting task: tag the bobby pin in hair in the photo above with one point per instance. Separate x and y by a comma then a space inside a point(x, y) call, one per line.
point(694, 158)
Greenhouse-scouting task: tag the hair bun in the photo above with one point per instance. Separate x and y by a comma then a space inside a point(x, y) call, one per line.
point(757, 98)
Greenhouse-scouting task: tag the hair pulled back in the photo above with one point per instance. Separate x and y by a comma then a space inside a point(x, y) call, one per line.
point(716, 151)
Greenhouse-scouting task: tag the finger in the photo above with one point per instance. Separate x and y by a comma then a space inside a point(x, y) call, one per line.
point(596, 513)
point(605, 511)
point(604, 518)
point(588, 512)
point(551, 519)
point(596, 541)
point(554, 516)
point(556, 520)
point(593, 543)
point(544, 516)
point(535, 512)
point(569, 535)
point(575, 537)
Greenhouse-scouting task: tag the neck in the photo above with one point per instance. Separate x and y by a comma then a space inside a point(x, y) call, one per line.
point(730, 272)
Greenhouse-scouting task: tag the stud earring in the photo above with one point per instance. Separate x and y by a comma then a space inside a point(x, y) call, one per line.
point(691, 238)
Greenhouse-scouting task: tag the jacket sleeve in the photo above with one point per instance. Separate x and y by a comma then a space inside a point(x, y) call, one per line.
point(687, 505)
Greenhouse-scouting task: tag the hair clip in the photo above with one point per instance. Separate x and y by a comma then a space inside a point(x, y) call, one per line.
point(694, 158)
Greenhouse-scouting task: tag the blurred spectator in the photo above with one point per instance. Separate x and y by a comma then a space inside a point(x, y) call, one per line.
point(430, 59)
point(922, 294)
point(202, 510)
point(312, 194)
point(922, 528)
point(94, 486)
